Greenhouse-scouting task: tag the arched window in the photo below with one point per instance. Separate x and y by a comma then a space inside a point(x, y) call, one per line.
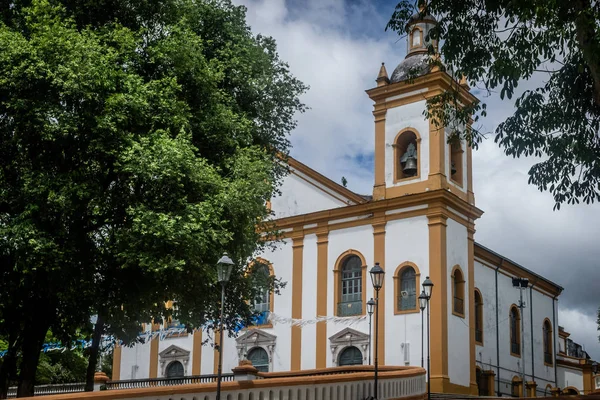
point(456, 163)
point(547, 331)
point(458, 292)
point(515, 331)
point(407, 155)
point(350, 356)
point(351, 283)
point(478, 318)
point(259, 359)
point(175, 370)
point(406, 286)
point(262, 273)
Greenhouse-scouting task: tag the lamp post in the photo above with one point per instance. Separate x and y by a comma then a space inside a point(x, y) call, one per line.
point(377, 273)
point(427, 289)
point(224, 267)
point(370, 306)
point(422, 305)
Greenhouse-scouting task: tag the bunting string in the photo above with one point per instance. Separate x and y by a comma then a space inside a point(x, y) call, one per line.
point(301, 322)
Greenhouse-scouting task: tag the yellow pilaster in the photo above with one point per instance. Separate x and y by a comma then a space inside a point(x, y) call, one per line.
point(196, 352)
point(321, 342)
point(116, 366)
point(379, 256)
point(296, 335)
point(154, 357)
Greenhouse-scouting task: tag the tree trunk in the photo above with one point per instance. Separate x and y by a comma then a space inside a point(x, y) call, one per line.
point(8, 369)
point(585, 31)
point(93, 357)
point(33, 340)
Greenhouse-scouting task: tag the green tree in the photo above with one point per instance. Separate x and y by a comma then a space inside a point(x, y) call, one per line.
point(139, 141)
point(501, 43)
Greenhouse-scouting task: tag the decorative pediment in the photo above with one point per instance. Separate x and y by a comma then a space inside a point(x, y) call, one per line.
point(174, 352)
point(349, 335)
point(257, 337)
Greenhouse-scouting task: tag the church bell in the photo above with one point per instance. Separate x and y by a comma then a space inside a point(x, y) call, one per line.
point(410, 167)
point(452, 168)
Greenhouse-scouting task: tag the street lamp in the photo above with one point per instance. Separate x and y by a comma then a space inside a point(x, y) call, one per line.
point(427, 289)
point(422, 305)
point(377, 273)
point(370, 306)
point(224, 267)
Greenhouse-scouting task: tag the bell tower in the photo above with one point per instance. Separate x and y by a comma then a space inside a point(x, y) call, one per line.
point(412, 155)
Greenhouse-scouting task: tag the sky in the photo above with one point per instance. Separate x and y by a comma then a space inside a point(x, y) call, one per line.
point(336, 47)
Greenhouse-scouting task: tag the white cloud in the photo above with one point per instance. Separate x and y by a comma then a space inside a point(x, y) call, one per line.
point(576, 324)
point(336, 48)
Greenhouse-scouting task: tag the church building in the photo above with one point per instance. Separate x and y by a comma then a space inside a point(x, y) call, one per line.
point(419, 222)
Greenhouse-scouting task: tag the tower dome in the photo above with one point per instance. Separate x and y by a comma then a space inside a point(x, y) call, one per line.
point(416, 62)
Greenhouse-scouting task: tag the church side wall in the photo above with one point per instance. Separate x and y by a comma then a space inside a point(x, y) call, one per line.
point(406, 240)
point(510, 365)
point(185, 342)
point(397, 119)
point(358, 238)
point(458, 327)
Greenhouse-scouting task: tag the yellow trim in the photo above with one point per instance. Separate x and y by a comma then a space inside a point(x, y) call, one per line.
point(379, 256)
point(397, 171)
point(116, 365)
point(154, 357)
point(296, 335)
point(379, 187)
point(479, 317)
point(321, 340)
point(518, 383)
point(196, 352)
point(453, 287)
point(337, 279)
point(398, 286)
point(439, 305)
point(531, 387)
point(518, 329)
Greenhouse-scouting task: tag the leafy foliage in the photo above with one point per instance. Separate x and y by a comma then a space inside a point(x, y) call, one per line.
point(501, 43)
point(139, 141)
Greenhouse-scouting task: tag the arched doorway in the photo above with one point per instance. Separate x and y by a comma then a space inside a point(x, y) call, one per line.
point(350, 356)
point(175, 370)
point(259, 358)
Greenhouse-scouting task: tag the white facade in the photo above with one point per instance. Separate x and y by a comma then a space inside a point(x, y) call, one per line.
point(426, 222)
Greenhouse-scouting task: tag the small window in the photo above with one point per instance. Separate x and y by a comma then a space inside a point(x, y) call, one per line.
point(416, 38)
point(350, 302)
point(515, 331)
point(407, 156)
point(262, 301)
point(259, 359)
point(478, 318)
point(547, 332)
point(458, 289)
point(175, 370)
point(350, 356)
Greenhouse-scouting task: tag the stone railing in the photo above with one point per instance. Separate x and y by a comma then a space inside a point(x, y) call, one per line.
point(43, 390)
point(340, 383)
point(154, 382)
